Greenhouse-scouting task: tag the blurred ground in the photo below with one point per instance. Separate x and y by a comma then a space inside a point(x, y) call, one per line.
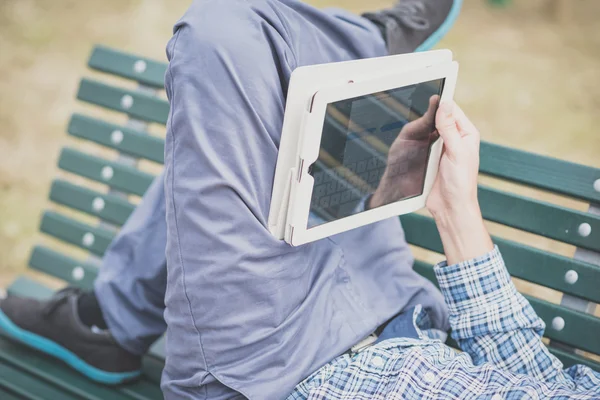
point(526, 80)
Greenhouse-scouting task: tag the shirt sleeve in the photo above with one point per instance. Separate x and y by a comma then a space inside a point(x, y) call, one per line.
point(493, 322)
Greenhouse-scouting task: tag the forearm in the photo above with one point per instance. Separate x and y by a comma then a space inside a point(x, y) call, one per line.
point(492, 321)
point(463, 233)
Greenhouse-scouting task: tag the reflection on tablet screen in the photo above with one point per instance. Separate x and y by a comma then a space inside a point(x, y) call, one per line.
point(381, 142)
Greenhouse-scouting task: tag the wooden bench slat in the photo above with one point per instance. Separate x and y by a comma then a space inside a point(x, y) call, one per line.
point(570, 359)
point(75, 272)
point(125, 140)
point(6, 395)
point(142, 390)
point(24, 286)
point(132, 102)
point(105, 206)
point(153, 367)
point(30, 387)
point(158, 349)
point(120, 177)
point(522, 261)
point(45, 369)
point(76, 233)
point(539, 171)
point(549, 220)
point(580, 329)
point(131, 66)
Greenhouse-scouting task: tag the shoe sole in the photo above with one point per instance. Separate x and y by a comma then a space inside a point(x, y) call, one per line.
point(55, 350)
point(443, 29)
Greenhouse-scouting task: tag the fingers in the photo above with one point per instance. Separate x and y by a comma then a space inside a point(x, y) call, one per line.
point(433, 105)
point(420, 128)
point(445, 122)
point(465, 126)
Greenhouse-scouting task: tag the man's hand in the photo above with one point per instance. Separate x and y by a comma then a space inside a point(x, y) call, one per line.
point(453, 198)
point(405, 170)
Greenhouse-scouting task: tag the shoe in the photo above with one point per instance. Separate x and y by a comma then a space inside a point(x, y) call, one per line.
point(415, 25)
point(53, 327)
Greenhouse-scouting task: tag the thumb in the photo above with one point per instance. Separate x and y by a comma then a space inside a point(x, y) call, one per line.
point(445, 123)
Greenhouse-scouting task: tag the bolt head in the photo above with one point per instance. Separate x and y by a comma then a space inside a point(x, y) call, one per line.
point(139, 66)
point(558, 323)
point(116, 137)
point(88, 239)
point(584, 229)
point(107, 173)
point(126, 101)
point(78, 273)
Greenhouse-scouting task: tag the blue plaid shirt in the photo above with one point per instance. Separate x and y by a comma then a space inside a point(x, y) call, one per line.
point(503, 356)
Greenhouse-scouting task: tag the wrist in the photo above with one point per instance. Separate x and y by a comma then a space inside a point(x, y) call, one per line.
point(463, 233)
point(457, 215)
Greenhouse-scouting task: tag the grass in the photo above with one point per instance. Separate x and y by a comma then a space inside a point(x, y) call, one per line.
point(526, 81)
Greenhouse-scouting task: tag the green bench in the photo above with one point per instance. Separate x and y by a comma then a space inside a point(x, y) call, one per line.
point(26, 374)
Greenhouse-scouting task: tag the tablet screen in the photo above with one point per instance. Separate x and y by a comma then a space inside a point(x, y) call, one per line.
point(374, 150)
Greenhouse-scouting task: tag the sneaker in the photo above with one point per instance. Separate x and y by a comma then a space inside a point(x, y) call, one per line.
point(415, 25)
point(53, 327)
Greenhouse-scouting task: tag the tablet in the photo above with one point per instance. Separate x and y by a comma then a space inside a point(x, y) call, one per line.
point(365, 149)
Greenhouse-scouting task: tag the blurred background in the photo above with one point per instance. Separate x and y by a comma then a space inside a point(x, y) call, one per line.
point(530, 78)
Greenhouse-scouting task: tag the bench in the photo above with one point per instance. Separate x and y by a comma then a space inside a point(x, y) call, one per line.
point(94, 194)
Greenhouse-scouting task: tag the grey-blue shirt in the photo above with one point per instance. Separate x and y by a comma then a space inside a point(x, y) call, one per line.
point(248, 313)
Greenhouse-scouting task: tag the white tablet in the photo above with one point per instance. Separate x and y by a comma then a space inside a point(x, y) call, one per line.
point(360, 147)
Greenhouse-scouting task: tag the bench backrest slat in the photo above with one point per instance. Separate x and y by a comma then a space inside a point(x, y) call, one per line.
point(140, 69)
point(550, 269)
point(121, 138)
point(580, 329)
point(114, 174)
point(549, 220)
point(542, 172)
point(82, 235)
point(74, 272)
point(109, 208)
point(132, 102)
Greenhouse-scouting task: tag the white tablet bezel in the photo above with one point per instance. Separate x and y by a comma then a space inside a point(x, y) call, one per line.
point(304, 82)
point(297, 232)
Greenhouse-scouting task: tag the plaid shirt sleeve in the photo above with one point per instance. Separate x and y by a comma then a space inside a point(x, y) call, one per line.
point(493, 322)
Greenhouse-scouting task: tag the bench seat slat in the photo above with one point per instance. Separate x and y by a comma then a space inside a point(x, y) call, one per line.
point(25, 385)
point(74, 232)
point(125, 140)
point(141, 105)
point(123, 178)
point(141, 69)
point(522, 261)
point(580, 329)
point(109, 208)
point(73, 271)
point(6, 395)
point(548, 220)
point(24, 286)
point(44, 369)
point(539, 171)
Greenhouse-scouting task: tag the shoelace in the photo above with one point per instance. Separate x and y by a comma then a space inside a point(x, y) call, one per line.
point(409, 13)
point(59, 298)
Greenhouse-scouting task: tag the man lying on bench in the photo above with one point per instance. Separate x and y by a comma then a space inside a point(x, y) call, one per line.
point(249, 316)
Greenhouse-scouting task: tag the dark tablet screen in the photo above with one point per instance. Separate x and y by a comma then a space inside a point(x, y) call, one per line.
point(374, 147)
